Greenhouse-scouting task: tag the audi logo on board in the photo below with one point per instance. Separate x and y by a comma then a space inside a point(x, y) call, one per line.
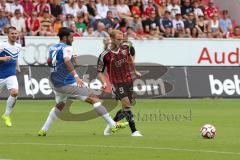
point(35, 54)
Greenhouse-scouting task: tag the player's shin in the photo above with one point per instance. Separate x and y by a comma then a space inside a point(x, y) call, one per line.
point(10, 104)
point(52, 116)
point(101, 111)
point(119, 115)
point(130, 118)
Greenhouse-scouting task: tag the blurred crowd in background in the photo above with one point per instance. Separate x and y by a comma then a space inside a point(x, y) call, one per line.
point(137, 19)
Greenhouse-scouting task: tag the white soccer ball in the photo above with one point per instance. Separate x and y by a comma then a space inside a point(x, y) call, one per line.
point(208, 131)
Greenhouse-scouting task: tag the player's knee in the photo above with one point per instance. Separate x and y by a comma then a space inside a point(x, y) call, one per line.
point(14, 92)
point(92, 99)
point(126, 103)
point(60, 105)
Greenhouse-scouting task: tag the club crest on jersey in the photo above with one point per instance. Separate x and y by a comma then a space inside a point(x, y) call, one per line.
point(124, 52)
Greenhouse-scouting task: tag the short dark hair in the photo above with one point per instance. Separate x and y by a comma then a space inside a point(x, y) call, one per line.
point(64, 31)
point(225, 11)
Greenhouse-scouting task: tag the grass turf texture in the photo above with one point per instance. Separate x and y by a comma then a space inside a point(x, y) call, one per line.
point(164, 138)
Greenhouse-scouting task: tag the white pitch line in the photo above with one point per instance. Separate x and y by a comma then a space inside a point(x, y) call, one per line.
point(127, 147)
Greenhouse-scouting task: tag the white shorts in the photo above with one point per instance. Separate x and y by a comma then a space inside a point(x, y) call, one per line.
point(71, 91)
point(9, 82)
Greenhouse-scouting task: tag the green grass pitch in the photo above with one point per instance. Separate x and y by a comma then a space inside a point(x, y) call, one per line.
point(173, 137)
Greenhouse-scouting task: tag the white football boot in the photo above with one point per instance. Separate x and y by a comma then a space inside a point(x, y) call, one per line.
point(136, 134)
point(107, 131)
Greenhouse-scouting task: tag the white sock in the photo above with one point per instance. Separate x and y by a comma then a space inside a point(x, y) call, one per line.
point(10, 104)
point(51, 117)
point(101, 110)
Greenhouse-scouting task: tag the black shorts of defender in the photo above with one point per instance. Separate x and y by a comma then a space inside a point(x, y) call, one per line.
point(122, 90)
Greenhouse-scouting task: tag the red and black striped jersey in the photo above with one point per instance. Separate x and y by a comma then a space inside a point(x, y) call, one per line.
point(119, 64)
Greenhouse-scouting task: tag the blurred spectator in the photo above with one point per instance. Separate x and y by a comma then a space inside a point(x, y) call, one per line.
point(3, 20)
point(225, 23)
point(109, 30)
point(82, 9)
point(136, 23)
point(190, 23)
point(194, 33)
point(16, 5)
point(210, 9)
point(27, 7)
point(153, 33)
point(76, 33)
point(89, 32)
point(70, 8)
point(56, 9)
point(5, 30)
point(100, 32)
point(137, 8)
point(46, 28)
point(68, 21)
point(182, 34)
point(33, 25)
point(186, 8)
point(57, 24)
point(162, 7)
point(131, 34)
point(112, 7)
point(157, 2)
point(92, 9)
point(80, 24)
point(108, 21)
point(178, 23)
point(35, 3)
point(202, 4)
point(197, 10)
point(150, 8)
point(174, 8)
point(166, 24)
point(116, 23)
point(18, 21)
point(202, 26)
point(123, 10)
point(43, 6)
point(214, 27)
point(4, 6)
point(123, 25)
point(168, 33)
point(236, 33)
point(153, 21)
point(102, 8)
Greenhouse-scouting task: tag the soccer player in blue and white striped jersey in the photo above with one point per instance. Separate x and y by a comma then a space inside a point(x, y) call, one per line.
point(9, 52)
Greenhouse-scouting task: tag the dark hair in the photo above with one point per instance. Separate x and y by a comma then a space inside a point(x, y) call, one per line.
point(225, 11)
point(64, 31)
point(197, 33)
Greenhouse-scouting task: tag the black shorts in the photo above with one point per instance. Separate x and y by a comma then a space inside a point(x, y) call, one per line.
point(124, 90)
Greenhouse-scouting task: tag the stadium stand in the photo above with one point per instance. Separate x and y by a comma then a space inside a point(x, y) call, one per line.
point(135, 18)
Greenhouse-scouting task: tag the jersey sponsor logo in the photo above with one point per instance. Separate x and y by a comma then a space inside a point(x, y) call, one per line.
point(120, 62)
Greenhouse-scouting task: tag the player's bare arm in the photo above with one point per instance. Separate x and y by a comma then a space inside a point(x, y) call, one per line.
point(70, 68)
point(6, 58)
point(18, 67)
point(102, 78)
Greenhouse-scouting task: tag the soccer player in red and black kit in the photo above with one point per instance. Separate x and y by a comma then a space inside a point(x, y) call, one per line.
point(118, 59)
